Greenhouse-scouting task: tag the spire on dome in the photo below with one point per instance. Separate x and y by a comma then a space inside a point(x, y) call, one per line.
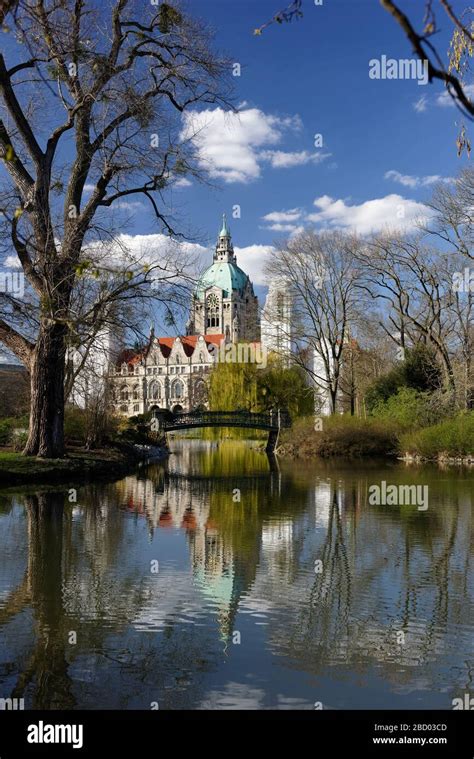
point(225, 231)
point(224, 248)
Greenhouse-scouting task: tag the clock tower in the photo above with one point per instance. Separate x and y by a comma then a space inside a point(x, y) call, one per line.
point(224, 302)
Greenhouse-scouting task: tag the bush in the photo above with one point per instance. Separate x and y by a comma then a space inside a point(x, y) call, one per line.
point(419, 371)
point(18, 439)
point(407, 408)
point(137, 429)
point(75, 426)
point(9, 424)
point(453, 437)
point(342, 435)
point(90, 427)
point(6, 429)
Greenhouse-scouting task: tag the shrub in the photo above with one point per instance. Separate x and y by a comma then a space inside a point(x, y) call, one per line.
point(6, 429)
point(342, 435)
point(7, 426)
point(18, 439)
point(452, 437)
point(89, 427)
point(75, 426)
point(137, 429)
point(419, 371)
point(407, 408)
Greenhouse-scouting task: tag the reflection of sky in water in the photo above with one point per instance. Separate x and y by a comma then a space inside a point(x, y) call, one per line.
point(243, 567)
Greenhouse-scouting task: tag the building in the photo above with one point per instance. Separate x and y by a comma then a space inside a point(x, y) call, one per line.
point(277, 320)
point(224, 301)
point(171, 372)
point(14, 387)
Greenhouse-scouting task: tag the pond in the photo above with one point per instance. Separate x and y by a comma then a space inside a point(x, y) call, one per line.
point(221, 579)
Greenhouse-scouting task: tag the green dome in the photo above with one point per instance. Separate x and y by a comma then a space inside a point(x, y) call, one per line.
point(225, 276)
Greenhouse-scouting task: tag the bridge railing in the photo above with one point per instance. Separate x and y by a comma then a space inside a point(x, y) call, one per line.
point(266, 420)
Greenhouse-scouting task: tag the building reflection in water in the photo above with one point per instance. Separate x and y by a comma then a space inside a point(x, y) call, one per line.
point(384, 571)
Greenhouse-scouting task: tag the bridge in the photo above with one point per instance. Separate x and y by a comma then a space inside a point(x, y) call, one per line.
point(271, 422)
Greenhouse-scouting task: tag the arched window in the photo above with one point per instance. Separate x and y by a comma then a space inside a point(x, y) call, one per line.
point(178, 360)
point(177, 389)
point(212, 304)
point(154, 392)
point(136, 393)
point(124, 393)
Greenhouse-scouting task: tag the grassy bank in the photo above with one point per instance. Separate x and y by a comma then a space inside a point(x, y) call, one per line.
point(450, 439)
point(78, 465)
point(353, 437)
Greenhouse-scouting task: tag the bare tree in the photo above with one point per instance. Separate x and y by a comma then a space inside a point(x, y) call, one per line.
point(6, 7)
point(322, 272)
point(453, 217)
point(414, 281)
point(93, 102)
point(423, 47)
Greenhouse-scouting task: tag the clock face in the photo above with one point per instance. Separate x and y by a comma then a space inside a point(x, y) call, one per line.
point(212, 301)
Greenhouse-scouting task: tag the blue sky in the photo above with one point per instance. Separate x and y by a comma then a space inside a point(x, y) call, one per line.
point(384, 141)
point(311, 77)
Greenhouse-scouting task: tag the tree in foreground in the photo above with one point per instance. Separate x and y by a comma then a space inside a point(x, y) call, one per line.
point(93, 98)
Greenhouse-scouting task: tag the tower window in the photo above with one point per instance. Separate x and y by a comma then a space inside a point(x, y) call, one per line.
point(212, 303)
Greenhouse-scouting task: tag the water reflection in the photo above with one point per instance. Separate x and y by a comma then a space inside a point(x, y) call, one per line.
point(278, 586)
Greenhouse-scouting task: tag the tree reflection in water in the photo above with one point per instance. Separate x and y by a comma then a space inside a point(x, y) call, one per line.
point(245, 564)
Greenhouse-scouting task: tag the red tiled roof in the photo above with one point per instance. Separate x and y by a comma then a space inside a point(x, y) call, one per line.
point(129, 356)
point(216, 339)
point(165, 344)
point(189, 342)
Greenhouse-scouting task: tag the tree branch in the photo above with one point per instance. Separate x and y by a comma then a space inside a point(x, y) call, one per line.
point(19, 345)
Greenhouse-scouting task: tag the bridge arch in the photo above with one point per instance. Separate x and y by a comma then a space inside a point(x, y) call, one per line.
point(272, 421)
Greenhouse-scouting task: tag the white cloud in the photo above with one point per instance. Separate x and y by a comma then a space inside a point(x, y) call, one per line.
point(12, 262)
point(252, 260)
point(282, 227)
point(182, 182)
point(152, 250)
point(421, 104)
point(412, 181)
point(231, 146)
point(281, 160)
point(292, 214)
point(392, 211)
point(446, 101)
point(127, 205)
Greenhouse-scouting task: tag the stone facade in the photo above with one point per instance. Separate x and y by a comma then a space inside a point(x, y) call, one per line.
point(171, 373)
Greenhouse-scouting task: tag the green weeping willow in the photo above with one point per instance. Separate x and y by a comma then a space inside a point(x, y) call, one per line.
point(238, 386)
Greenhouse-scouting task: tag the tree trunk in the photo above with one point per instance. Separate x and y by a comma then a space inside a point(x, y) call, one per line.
point(46, 435)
